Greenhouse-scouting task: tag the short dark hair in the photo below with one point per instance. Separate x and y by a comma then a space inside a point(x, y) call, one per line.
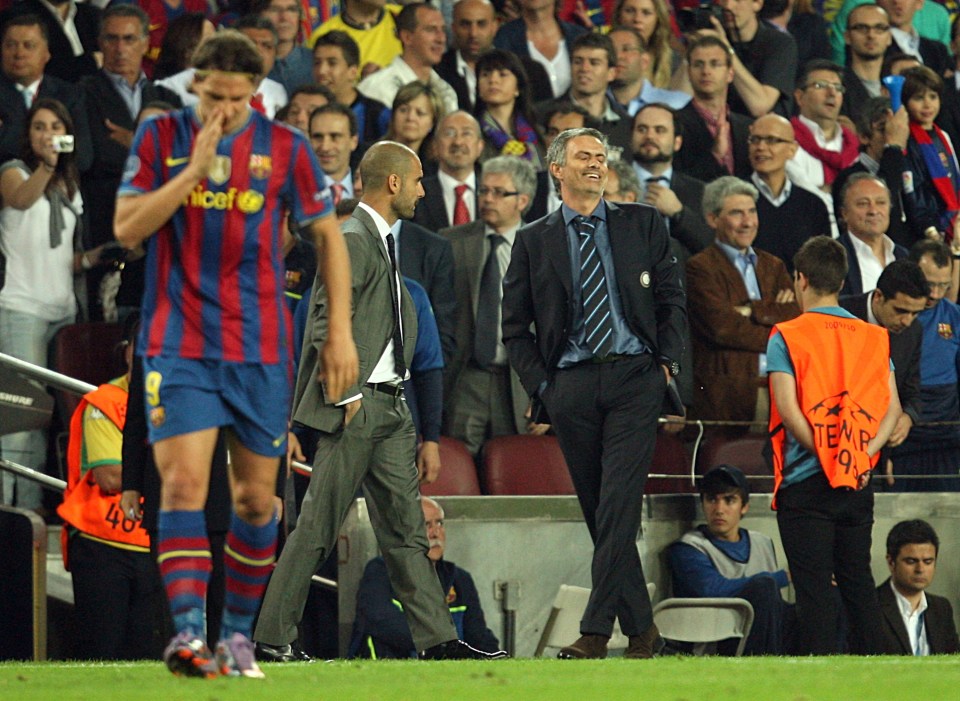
point(938, 251)
point(313, 89)
point(903, 277)
point(29, 20)
point(344, 42)
point(893, 58)
point(914, 532)
point(918, 80)
point(817, 64)
point(257, 22)
point(336, 108)
point(565, 107)
point(126, 12)
point(874, 109)
point(406, 20)
point(594, 40)
point(231, 52)
point(707, 41)
point(677, 126)
point(823, 262)
point(630, 30)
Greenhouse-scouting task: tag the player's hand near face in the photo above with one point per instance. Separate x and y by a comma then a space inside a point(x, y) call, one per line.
point(205, 145)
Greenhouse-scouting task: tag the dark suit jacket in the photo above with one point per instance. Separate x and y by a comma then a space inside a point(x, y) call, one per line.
point(373, 323)
point(537, 290)
point(726, 344)
point(538, 80)
point(100, 184)
point(63, 64)
point(694, 157)
point(853, 284)
point(689, 227)
point(856, 95)
point(935, 55)
point(892, 166)
point(431, 211)
point(13, 118)
point(512, 36)
point(938, 621)
point(428, 259)
point(469, 259)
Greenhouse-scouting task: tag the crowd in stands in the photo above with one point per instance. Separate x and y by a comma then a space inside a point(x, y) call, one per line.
point(750, 127)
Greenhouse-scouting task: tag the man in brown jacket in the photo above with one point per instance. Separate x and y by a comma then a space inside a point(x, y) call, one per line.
point(735, 296)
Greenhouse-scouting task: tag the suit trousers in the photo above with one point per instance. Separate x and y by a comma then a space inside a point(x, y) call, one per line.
point(377, 451)
point(605, 418)
point(481, 407)
point(826, 534)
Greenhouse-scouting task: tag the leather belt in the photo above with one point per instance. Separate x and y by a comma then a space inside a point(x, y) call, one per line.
point(394, 390)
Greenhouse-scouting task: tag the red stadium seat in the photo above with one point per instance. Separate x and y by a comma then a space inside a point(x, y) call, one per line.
point(525, 465)
point(745, 452)
point(88, 352)
point(458, 472)
point(669, 458)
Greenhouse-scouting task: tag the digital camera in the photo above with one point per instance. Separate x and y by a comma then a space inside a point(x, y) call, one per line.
point(62, 143)
point(691, 19)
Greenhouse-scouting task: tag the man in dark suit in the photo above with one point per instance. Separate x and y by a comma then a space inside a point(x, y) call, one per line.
point(67, 62)
point(676, 196)
point(867, 37)
point(593, 321)
point(866, 212)
point(483, 395)
point(906, 39)
point(374, 449)
point(474, 26)
point(450, 197)
point(901, 295)
point(114, 96)
point(25, 57)
point(915, 622)
point(736, 294)
point(714, 138)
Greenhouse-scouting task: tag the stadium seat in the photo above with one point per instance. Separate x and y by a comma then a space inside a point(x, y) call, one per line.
point(458, 472)
point(670, 458)
point(707, 620)
point(86, 351)
point(745, 452)
point(525, 465)
point(563, 624)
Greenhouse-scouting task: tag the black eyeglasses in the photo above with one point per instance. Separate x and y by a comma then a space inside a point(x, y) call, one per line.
point(875, 28)
point(496, 192)
point(824, 84)
point(756, 139)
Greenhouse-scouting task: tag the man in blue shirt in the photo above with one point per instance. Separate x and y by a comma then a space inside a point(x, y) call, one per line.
point(720, 559)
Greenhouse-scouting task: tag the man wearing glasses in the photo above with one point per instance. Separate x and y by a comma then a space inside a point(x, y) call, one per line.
point(935, 450)
point(788, 214)
point(483, 396)
point(868, 38)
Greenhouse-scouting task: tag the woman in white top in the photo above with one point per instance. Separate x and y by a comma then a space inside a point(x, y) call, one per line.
point(41, 204)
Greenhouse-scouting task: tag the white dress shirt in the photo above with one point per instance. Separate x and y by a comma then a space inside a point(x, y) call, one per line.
point(870, 267)
point(447, 185)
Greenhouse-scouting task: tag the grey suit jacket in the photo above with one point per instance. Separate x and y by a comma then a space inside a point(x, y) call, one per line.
point(372, 308)
point(468, 262)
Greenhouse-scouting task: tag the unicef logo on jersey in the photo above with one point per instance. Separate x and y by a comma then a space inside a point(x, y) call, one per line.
point(248, 201)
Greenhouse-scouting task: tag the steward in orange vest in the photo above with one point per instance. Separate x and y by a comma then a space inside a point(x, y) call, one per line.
point(842, 390)
point(85, 507)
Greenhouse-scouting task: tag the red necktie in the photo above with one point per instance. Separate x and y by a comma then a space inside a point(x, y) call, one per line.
point(337, 190)
point(461, 215)
point(256, 102)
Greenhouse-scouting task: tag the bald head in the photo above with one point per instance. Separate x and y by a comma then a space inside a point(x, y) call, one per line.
point(772, 144)
point(474, 24)
point(383, 159)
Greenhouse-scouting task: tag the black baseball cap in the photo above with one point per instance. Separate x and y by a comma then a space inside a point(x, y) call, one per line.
point(723, 476)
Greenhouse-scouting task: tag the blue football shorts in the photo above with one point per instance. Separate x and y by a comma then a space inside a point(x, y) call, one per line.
point(184, 395)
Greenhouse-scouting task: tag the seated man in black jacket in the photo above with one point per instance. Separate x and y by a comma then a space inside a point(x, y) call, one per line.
point(380, 630)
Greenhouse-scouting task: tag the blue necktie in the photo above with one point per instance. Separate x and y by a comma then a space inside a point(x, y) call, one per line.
point(598, 331)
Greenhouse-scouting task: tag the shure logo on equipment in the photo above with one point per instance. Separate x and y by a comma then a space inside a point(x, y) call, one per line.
point(16, 399)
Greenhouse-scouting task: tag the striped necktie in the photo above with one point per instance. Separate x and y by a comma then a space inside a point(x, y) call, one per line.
point(597, 327)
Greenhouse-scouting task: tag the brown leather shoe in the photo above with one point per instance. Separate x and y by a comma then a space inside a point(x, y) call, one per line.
point(646, 646)
point(587, 647)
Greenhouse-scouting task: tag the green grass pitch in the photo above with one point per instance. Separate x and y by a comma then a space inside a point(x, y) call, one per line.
point(668, 679)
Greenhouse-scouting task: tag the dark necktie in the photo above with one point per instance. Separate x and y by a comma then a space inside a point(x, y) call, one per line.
point(399, 366)
point(461, 215)
point(488, 307)
point(597, 328)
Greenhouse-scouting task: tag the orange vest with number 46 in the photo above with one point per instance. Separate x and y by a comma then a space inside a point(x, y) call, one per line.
point(842, 371)
point(85, 506)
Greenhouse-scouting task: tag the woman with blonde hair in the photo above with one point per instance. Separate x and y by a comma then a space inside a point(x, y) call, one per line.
point(652, 19)
point(417, 110)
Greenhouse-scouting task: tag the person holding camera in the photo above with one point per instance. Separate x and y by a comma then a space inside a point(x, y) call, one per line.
point(41, 210)
point(764, 59)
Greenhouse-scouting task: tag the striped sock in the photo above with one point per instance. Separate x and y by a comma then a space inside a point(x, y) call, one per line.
point(183, 555)
point(248, 558)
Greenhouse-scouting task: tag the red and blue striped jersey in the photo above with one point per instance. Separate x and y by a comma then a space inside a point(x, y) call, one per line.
point(214, 275)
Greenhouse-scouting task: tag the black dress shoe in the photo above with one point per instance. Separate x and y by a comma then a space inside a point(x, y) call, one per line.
point(459, 650)
point(281, 653)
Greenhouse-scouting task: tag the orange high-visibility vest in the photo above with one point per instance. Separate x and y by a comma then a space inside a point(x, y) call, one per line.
point(842, 370)
point(84, 506)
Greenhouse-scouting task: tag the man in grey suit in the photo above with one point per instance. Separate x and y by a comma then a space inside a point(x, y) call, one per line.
point(483, 396)
point(366, 439)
